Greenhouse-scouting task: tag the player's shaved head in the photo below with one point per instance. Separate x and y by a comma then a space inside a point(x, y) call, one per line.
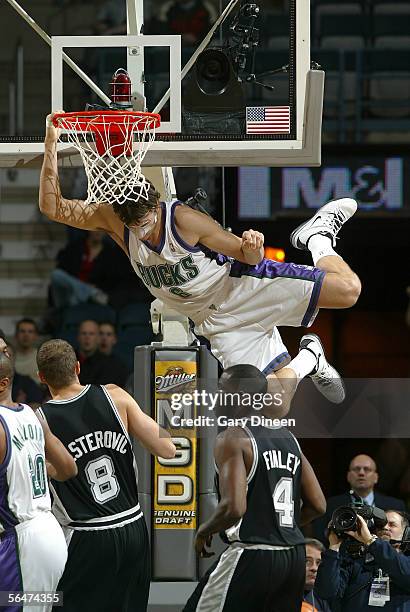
point(6, 367)
point(56, 362)
point(131, 213)
point(243, 378)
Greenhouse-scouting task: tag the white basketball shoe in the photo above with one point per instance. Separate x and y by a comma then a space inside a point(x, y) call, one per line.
point(327, 221)
point(324, 376)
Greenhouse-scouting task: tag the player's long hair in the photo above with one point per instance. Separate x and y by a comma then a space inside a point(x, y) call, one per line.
point(131, 213)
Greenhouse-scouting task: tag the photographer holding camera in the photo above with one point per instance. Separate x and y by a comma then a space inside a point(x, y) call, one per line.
point(360, 570)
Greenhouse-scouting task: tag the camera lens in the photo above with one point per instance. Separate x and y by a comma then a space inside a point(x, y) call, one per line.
point(344, 519)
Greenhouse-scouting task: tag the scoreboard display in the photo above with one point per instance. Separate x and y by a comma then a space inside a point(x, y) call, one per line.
point(379, 182)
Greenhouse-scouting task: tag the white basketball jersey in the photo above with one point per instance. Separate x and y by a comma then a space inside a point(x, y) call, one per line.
point(189, 279)
point(23, 478)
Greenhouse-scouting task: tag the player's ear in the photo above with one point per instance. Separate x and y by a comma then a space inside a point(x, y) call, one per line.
point(77, 368)
point(4, 383)
point(41, 377)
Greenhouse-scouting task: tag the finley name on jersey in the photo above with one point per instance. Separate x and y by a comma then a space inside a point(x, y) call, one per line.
point(98, 439)
point(273, 459)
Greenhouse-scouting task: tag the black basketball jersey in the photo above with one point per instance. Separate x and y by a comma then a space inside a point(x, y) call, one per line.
point(274, 491)
point(105, 489)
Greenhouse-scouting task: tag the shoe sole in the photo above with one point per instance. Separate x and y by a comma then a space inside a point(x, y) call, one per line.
point(316, 337)
point(294, 241)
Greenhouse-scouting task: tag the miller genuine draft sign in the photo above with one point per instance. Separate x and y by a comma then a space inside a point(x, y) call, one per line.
point(175, 485)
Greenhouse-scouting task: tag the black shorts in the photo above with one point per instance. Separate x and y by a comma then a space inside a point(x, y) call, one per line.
point(107, 570)
point(246, 580)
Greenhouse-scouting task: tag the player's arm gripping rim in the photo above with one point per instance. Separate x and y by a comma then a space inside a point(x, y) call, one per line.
point(76, 213)
point(314, 502)
point(195, 227)
point(230, 449)
point(142, 427)
point(62, 463)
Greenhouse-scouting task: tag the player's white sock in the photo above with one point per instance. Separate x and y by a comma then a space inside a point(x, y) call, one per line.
point(303, 363)
point(320, 246)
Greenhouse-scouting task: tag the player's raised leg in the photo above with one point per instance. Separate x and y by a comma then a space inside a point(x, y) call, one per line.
point(310, 361)
point(341, 286)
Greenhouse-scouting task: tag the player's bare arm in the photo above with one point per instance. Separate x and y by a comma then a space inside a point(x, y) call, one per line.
point(153, 437)
point(55, 206)
point(314, 502)
point(232, 450)
point(62, 463)
point(196, 227)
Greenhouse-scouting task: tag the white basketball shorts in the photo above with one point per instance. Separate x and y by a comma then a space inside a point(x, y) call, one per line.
point(243, 329)
point(32, 558)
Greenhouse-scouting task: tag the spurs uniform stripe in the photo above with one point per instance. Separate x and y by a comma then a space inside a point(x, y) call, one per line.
point(33, 551)
point(235, 306)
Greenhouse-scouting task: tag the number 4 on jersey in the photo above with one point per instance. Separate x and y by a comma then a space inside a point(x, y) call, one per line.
point(283, 501)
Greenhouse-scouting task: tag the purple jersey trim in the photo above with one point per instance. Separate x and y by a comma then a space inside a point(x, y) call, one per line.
point(278, 360)
point(218, 258)
point(314, 298)
point(19, 408)
point(181, 241)
point(268, 268)
point(152, 247)
point(10, 571)
point(7, 518)
point(5, 463)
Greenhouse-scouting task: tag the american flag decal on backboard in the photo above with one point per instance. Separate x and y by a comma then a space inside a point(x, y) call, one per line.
point(267, 119)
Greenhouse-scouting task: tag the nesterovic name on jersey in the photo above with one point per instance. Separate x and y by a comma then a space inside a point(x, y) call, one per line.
point(169, 275)
point(98, 439)
point(274, 459)
point(27, 432)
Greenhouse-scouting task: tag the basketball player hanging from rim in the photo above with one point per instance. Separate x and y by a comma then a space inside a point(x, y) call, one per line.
point(222, 282)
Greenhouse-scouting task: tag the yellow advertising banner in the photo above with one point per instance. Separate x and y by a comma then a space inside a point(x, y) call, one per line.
point(175, 480)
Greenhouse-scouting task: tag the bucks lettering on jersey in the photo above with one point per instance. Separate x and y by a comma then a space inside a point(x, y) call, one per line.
point(273, 496)
point(188, 279)
point(91, 429)
point(23, 479)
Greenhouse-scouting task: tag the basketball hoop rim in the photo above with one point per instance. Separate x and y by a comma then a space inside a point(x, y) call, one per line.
point(140, 120)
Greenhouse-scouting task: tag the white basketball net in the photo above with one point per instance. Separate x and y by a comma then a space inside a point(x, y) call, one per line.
point(112, 147)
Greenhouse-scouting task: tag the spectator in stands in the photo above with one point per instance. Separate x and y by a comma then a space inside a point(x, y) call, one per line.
point(25, 350)
point(93, 269)
point(24, 390)
point(108, 340)
point(108, 337)
point(80, 273)
point(97, 368)
point(362, 477)
point(311, 601)
point(190, 18)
